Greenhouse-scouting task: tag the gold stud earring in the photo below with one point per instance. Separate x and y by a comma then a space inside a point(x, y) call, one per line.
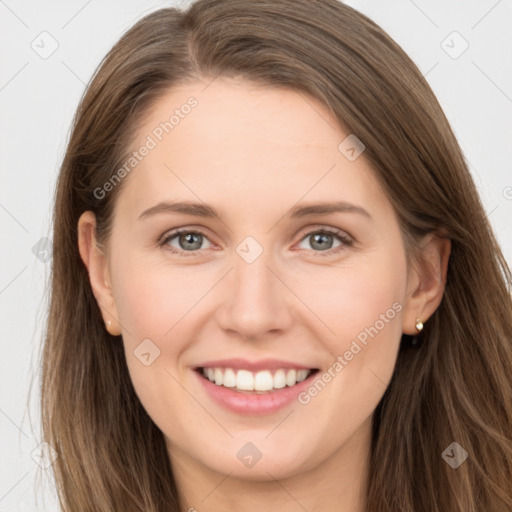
point(419, 324)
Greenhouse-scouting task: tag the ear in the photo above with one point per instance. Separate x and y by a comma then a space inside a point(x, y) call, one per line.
point(426, 282)
point(97, 265)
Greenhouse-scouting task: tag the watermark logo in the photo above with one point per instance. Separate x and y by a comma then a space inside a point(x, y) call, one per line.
point(249, 454)
point(44, 455)
point(249, 249)
point(147, 352)
point(43, 249)
point(351, 147)
point(454, 45)
point(45, 45)
point(455, 455)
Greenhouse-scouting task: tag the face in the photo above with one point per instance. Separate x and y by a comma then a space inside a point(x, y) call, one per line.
point(265, 285)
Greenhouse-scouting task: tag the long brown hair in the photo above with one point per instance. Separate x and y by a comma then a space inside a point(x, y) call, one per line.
point(453, 386)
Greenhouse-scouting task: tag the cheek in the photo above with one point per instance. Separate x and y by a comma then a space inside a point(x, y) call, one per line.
point(163, 304)
point(152, 298)
point(363, 311)
point(353, 297)
point(152, 304)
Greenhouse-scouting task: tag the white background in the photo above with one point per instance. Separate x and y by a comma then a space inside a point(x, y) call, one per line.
point(39, 96)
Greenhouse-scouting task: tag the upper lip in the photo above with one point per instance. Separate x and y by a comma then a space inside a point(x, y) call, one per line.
point(255, 366)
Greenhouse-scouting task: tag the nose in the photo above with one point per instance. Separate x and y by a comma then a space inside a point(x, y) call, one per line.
point(256, 302)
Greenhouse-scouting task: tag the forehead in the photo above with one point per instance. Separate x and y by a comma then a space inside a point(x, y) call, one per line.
point(232, 140)
point(255, 117)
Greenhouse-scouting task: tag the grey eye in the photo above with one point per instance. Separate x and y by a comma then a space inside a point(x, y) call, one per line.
point(322, 241)
point(186, 240)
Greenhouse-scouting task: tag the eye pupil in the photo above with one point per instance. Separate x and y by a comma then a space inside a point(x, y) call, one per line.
point(188, 238)
point(318, 238)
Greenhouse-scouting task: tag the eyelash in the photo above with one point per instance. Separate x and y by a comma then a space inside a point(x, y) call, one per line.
point(346, 241)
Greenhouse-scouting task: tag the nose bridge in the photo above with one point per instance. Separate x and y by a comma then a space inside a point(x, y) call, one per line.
point(251, 274)
point(254, 302)
point(253, 280)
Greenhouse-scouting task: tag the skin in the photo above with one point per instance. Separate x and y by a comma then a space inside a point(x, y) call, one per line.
point(254, 153)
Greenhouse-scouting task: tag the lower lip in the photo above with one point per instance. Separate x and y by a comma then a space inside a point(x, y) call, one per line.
point(253, 404)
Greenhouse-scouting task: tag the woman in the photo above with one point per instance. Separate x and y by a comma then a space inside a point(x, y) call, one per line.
point(254, 367)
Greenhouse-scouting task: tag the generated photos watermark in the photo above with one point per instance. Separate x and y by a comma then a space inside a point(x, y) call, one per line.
point(152, 140)
point(358, 343)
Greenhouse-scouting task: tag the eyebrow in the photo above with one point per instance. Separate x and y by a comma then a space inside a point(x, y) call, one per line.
point(207, 211)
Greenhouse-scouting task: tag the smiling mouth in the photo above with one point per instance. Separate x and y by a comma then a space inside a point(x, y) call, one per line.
point(262, 382)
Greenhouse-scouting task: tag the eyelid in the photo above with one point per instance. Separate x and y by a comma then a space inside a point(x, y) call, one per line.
point(325, 228)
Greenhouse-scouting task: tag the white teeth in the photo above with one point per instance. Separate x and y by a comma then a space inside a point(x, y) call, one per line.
point(263, 381)
point(301, 375)
point(291, 377)
point(219, 376)
point(280, 379)
point(245, 380)
point(229, 378)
